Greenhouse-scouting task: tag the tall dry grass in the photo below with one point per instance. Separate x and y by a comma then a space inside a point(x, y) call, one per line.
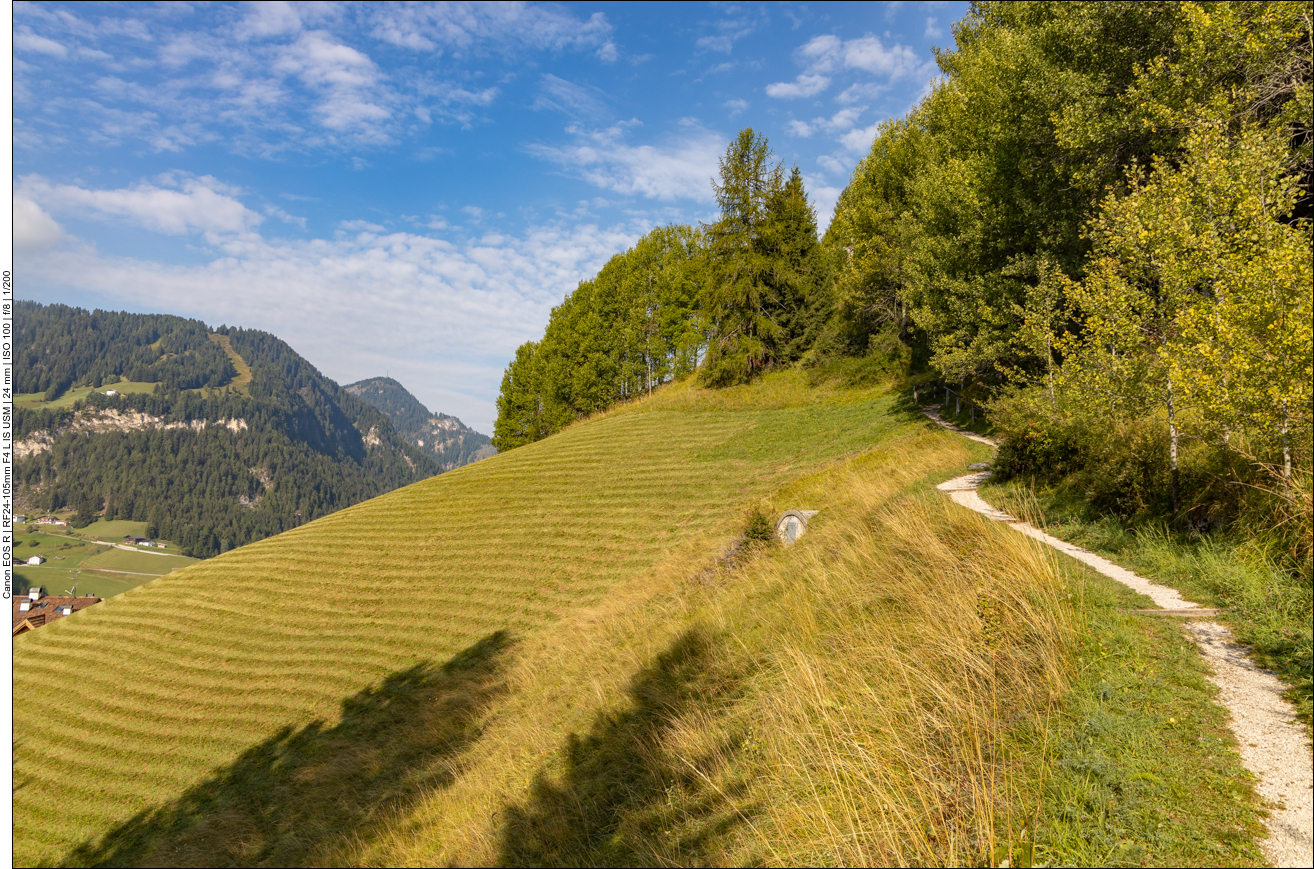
point(849, 700)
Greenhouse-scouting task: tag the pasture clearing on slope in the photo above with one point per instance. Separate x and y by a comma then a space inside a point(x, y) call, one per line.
point(552, 656)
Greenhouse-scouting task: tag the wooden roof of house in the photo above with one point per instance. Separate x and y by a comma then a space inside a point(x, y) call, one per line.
point(46, 609)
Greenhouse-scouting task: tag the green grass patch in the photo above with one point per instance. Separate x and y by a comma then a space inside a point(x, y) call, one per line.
point(1142, 768)
point(37, 400)
point(1268, 609)
point(57, 581)
point(114, 531)
point(137, 562)
point(242, 382)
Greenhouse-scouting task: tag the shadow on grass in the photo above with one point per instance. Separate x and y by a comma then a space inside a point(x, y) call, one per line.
point(299, 797)
point(624, 799)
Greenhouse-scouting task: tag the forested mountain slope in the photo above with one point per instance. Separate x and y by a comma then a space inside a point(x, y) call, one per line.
point(239, 439)
point(446, 438)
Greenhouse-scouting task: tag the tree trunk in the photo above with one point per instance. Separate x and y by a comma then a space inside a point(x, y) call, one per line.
point(1172, 449)
point(1286, 445)
point(1049, 367)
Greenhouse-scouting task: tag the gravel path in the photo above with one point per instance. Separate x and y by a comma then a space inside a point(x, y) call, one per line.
point(1271, 740)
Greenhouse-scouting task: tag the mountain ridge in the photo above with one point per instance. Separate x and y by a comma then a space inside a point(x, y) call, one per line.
point(445, 438)
point(241, 437)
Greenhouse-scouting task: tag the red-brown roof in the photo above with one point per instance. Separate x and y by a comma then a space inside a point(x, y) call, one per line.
point(51, 607)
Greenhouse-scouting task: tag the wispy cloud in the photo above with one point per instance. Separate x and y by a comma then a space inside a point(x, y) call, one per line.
point(173, 204)
point(569, 98)
point(678, 169)
point(282, 76)
point(448, 310)
point(806, 85)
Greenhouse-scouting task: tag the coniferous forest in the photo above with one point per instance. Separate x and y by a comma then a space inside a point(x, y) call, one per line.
point(212, 464)
point(1096, 226)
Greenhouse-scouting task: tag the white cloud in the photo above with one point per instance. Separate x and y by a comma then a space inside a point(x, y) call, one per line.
point(26, 40)
point(839, 122)
point(680, 169)
point(824, 54)
point(832, 164)
point(823, 196)
point(844, 119)
point(933, 30)
point(34, 230)
point(860, 91)
point(439, 311)
point(715, 43)
point(283, 76)
point(567, 97)
point(804, 86)
point(182, 205)
point(827, 55)
point(859, 140)
point(270, 18)
point(508, 27)
point(736, 107)
point(347, 79)
point(359, 226)
point(740, 22)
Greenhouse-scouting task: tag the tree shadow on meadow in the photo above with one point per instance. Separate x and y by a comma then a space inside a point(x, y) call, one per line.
point(624, 798)
point(299, 797)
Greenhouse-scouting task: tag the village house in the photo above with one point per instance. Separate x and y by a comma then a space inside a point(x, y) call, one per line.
point(38, 608)
point(35, 560)
point(50, 520)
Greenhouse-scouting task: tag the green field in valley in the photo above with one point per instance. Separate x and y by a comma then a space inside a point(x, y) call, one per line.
point(37, 400)
point(112, 531)
point(560, 655)
point(96, 568)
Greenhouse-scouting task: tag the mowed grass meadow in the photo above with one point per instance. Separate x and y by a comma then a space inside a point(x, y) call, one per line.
point(567, 654)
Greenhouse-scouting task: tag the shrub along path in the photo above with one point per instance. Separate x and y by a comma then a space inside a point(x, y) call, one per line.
point(1271, 742)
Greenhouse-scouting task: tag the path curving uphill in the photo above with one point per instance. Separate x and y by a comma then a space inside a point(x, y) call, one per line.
point(1269, 736)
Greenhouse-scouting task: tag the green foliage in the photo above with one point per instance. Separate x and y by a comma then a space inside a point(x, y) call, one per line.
point(1101, 213)
point(730, 300)
point(764, 271)
point(759, 530)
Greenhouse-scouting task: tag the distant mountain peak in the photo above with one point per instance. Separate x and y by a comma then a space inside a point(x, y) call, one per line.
point(451, 442)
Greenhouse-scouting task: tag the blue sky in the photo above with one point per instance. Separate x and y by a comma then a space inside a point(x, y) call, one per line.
point(409, 189)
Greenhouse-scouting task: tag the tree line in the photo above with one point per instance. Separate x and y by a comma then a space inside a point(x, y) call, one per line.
point(1097, 224)
point(726, 301)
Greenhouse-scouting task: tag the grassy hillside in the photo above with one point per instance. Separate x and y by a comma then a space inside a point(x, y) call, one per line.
point(553, 657)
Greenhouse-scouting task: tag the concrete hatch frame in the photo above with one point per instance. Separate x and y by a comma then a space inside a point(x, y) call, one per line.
point(793, 524)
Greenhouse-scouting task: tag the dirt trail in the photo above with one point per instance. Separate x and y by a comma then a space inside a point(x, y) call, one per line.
point(1271, 740)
